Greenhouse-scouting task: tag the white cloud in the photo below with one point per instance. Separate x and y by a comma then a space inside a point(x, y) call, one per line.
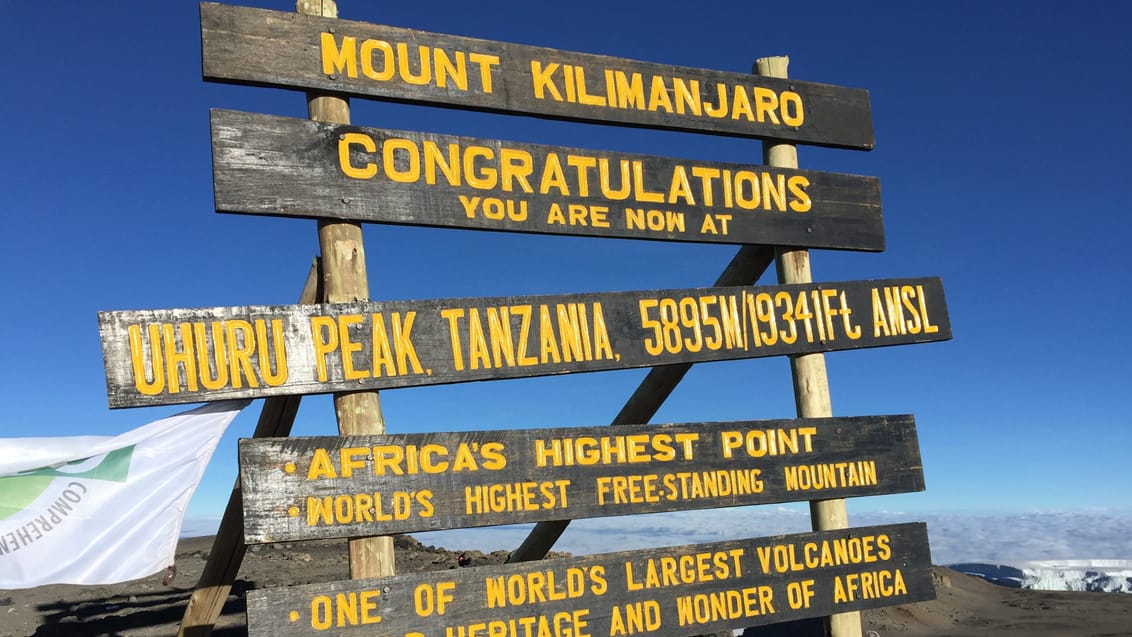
point(955, 537)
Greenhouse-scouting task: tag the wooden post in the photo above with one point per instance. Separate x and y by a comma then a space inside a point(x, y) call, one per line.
point(344, 275)
point(745, 268)
point(228, 548)
point(811, 384)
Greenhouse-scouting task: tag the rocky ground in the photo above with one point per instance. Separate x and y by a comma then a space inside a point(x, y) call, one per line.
point(148, 607)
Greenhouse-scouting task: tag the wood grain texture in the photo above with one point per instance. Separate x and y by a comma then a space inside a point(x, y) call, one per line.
point(290, 167)
point(267, 48)
point(325, 487)
point(174, 356)
point(753, 579)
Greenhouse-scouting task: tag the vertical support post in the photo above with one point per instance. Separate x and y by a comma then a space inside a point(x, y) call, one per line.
point(811, 384)
point(345, 281)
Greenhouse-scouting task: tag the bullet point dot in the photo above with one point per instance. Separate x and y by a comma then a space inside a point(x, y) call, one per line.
point(294, 616)
point(293, 512)
point(289, 467)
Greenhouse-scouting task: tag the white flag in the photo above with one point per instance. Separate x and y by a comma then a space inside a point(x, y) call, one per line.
point(102, 509)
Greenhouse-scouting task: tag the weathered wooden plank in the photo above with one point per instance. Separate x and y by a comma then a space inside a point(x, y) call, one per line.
point(268, 48)
point(324, 487)
point(676, 591)
point(155, 357)
point(292, 167)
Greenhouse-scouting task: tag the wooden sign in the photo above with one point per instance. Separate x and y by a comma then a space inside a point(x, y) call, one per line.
point(158, 357)
point(269, 48)
point(308, 488)
point(675, 592)
point(293, 167)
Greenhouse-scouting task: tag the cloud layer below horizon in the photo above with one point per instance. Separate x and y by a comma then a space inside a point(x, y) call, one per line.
point(955, 537)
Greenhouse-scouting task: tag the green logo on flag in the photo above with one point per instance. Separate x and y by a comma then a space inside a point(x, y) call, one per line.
point(19, 490)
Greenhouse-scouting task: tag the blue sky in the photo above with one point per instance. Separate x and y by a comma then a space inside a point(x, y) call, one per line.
point(1002, 136)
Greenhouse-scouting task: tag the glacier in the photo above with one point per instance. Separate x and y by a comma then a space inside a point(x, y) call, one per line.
point(1109, 576)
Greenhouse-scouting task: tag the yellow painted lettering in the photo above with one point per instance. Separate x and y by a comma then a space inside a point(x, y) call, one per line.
point(630, 90)
point(928, 327)
point(584, 97)
point(800, 199)
point(241, 347)
point(548, 348)
point(521, 356)
point(207, 364)
point(403, 343)
point(741, 105)
point(486, 178)
point(484, 62)
point(499, 335)
point(719, 109)
point(321, 466)
point(279, 375)
point(435, 162)
point(639, 192)
point(543, 80)
point(791, 109)
point(879, 324)
point(470, 205)
point(335, 60)
point(182, 356)
point(368, 48)
point(603, 174)
point(424, 64)
point(382, 354)
point(453, 316)
point(406, 171)
point(774, 191)
point(555, 215)
point(137, 360)
point(680, 188)
point(447, 70)
point(478, 355)
point(515, 165)
point(687, 96)
point(602, 346)
point(582, 165)
point(348, 347)
point(345, 141)
point(324, 335)
point(659, 98)
point(766, 105)
point(745, 201)
point(552, 177)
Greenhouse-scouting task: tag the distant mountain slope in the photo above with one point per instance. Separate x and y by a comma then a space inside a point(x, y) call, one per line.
point(970, 607)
